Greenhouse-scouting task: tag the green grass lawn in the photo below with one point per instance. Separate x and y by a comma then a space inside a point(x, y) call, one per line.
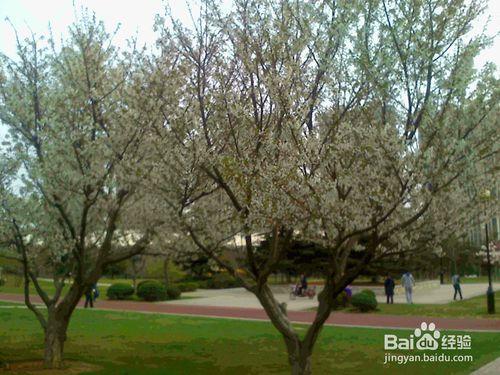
point(6, 303)
point(479, 279)
point(133, 343)
point(468, 308)
point(473, 307)
point(15, 285)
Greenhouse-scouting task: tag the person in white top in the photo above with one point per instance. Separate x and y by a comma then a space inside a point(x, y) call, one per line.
point(408, 282)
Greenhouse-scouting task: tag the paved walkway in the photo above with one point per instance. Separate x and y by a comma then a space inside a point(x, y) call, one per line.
point(492, 368)
point(442, 294)
point(239, 297)
point(336, 318)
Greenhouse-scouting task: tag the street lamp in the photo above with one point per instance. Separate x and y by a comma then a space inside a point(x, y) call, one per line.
point(489, 293)
point(490, 296)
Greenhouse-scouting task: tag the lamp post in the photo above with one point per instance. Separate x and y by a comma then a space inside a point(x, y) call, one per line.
point(490, 296)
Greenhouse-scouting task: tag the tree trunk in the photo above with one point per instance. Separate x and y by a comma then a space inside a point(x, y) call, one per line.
point(300, 362)
point(298, 356)
point(57, 323)
point(55, 336)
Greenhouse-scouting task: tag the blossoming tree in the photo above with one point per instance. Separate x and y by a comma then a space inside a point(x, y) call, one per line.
point(72, 166)
point(348, 124)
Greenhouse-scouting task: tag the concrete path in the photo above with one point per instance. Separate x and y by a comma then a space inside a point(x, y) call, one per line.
point(442, 294)
point(335, 319)
point(239, 297)
point(492, 368)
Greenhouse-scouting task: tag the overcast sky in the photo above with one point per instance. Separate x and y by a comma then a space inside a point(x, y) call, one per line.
point(136, 17)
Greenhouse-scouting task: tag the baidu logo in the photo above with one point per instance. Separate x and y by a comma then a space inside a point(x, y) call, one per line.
point(423, 339)
point(427, 337)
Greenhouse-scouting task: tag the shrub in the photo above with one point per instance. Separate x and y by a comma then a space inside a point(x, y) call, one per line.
point(173, 292)
point(375, 279)
point(151, 290)
point(12, 270)
point(222, 281)
point(370, 292)
point(120, 291)
point(142, 282)
point(149, 281)
point(204, 284)
point(187, 286)
point(364, 301)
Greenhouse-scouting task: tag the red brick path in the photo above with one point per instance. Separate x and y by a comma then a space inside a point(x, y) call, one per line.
point(336, 318)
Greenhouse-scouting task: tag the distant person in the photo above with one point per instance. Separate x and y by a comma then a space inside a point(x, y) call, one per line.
point(348, 291)
point(389, 288)
point(303, 284)
point(89, 299)
point(455, 280)
point(90, 295)
point(96, 293)
point(408, 282)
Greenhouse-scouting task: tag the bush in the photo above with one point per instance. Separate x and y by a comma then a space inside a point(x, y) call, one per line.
point(10, 269)
point(120, 291)
point(375, 279)
point(142, 282)
point(149, 281)
point(173, 292)
point(187, 286)
point(151, 290)
point(364, 301)
point(370, 292)
point(222, 281)
point(204, 284)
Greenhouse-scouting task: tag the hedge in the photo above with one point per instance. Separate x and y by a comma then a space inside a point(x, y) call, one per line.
point(364, 301)
point(151, 290)
point(120, 291)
